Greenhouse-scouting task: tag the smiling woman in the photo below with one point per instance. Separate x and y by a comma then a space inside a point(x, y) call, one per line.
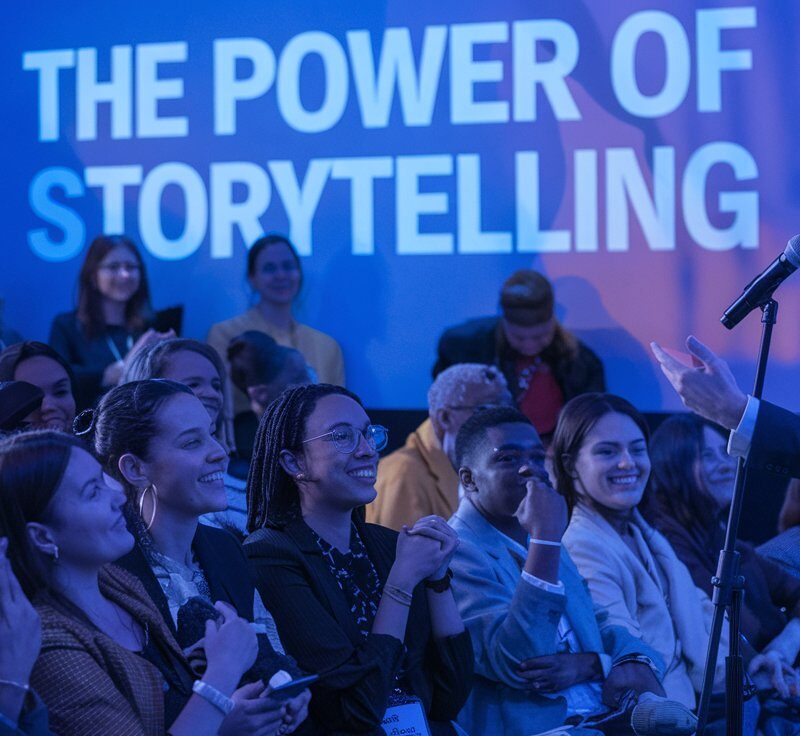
point(601, 465)
point(157, 440)
point(348, 596)
point(275, 274)
point(100, 630)
point(40, 365)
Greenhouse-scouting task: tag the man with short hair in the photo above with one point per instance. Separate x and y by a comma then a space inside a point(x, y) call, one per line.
point(540, 656)
point(544, 364)
point(419, 479)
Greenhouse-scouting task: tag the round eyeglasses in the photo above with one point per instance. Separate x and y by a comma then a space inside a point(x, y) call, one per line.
point(346, 438)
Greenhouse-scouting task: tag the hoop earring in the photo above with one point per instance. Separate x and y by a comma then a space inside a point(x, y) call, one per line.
point(152, 489)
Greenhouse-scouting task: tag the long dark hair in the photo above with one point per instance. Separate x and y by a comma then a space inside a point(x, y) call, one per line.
point(577, 418)
point(125, 421)
point(90, 301)
point(675, 449)
point(32, 466)
point(272, 496)
point(264, 242)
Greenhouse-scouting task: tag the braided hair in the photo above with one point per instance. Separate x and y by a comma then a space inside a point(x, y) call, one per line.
point(272, 496)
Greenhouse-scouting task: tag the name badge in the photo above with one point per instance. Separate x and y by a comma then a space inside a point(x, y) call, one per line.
point(406, 718)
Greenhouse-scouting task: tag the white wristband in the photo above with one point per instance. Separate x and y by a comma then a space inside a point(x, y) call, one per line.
point(544, 542)
point(208, 692)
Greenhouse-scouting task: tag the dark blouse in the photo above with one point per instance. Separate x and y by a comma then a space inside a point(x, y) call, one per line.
point(316, 621)
point(356, 576)
point(88, 357)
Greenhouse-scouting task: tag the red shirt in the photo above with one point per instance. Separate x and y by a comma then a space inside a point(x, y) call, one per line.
point(543, 399)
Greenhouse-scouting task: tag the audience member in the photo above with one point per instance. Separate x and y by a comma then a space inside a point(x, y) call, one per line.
point(18, 400)
point(275, 274)
point(601, 466)
point(420, 478)
point(38, 364)
point(544, 364)
point(540, 656)
point(784, 549)
point(101, 633)
point(261, 369)
point(156, 440)
point(113, 319)
point(690, 493)
point(369, 607)
point(197, 365)
point(21, 711)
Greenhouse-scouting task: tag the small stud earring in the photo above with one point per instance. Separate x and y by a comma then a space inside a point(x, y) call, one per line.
point(299, 476)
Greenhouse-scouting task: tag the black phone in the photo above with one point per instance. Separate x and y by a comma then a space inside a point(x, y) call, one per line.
point(292, 688)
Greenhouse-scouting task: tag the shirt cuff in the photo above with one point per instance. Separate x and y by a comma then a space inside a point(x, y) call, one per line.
point(558, 588)
point(742, 437)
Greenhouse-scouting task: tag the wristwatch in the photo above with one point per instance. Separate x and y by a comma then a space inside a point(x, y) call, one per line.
point(442, 584)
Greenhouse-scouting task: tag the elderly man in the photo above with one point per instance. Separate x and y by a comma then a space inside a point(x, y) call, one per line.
point(419, 479)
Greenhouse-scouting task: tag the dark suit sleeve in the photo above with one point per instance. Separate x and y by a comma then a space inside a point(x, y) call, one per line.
point(784, 588)
point(776, 441)
point(354, 693)
point(451, 663)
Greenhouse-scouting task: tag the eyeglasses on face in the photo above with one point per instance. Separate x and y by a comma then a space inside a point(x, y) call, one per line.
point(115, 268)
point(346, 438)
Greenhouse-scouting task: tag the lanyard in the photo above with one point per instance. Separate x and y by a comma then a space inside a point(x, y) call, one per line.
point(115, 350)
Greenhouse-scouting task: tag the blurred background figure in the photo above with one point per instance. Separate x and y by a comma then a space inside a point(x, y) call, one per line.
point(261, 369)
point(275, 274)
point(113, 319)
point(544, 364)
point(420, 478)
point(39, 365)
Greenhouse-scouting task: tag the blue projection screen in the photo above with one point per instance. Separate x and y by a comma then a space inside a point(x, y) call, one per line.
point(643, 156)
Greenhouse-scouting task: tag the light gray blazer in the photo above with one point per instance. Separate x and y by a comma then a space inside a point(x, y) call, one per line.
point(511, 620)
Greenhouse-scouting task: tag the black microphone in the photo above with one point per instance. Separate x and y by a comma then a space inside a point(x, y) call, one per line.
point(759, 291)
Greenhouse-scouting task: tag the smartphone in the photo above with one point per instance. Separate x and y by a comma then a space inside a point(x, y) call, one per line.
point(290, 689)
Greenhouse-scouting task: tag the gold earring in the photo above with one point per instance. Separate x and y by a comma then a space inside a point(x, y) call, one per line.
point(152, 489)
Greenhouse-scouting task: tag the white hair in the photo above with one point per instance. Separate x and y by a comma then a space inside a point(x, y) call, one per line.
point(451, 385)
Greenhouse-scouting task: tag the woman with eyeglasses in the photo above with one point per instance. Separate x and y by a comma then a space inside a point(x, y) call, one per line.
point(113, 319)
point(368, 608)
point(275, 274)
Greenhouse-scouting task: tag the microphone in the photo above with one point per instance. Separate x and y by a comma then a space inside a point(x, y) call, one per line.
point(656, 716)
point(759, 291)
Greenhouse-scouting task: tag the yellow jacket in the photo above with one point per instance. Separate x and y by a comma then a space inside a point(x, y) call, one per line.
point(415, 481)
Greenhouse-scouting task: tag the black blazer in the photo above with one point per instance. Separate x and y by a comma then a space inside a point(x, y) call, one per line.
point(479, 341)
point(776, 441)
point(318, 630)
point(222, 560)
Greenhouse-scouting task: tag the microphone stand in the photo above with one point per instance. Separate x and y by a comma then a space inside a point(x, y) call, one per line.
point(728, 583)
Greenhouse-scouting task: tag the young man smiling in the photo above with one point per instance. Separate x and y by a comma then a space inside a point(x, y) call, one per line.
point(540, 656)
